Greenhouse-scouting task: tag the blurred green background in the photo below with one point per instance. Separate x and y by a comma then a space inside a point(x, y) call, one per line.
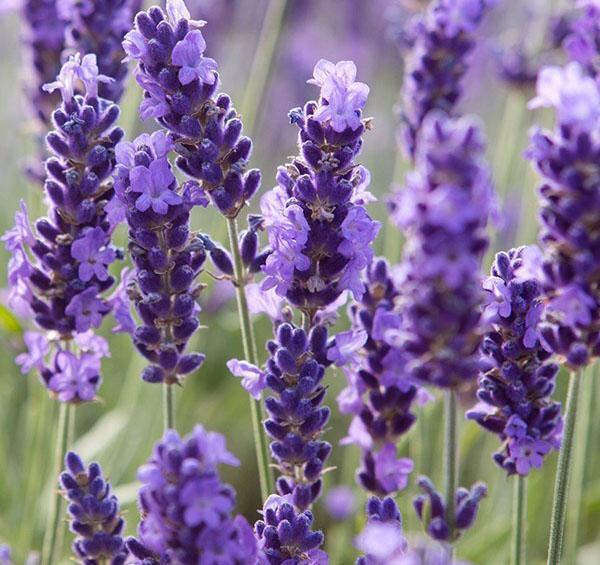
point(266, 50)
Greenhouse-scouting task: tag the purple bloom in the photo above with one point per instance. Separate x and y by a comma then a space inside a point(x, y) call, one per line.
point(284, 534)
point(37, 349)
point(432, 511)
point(566, 159)
point(87, 309)
point(517, 377)
point(154, 183)
point(93, 255)
point(179, 85)
point(76, 379)
point(345, 97)
point(346, 346)
point(442, 39)
point(319, 231)
point(340, 502)
point(167, 259)
point(390, 472)
point(253, 379)
point(188, 54)
point(382, 539)
point(444, 211)
point(186, 509)
point(94, 513)
point(528, 453)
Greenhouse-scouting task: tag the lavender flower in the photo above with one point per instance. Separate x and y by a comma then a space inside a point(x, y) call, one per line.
point(582, 42)
point(167, 257)
point(186, 509)
point(444, 211)
point(378, 395)
point(297, 419)
point(58, 272)
point(441, 41)
point(99, 26)
point(284, 534)
point(44, 39)
point(567, 160)
point(319, 231)
point(381, 540)
point(340, 502)
point(94, 514)
point(515, 389)
point(179, 85)
point(431, 510)
point(5, 555)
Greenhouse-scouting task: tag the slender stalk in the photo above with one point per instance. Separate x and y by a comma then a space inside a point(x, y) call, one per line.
point(561, 486)
point(250, 352)
point(54, 525)
point(519, 525)
point(262, 62)
point(450, 461)
point(168, 407)
point(580, 458)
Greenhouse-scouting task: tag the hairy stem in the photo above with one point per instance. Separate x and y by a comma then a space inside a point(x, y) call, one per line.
point(450, 461)
point(580, 457)
point(250, 352)
point(53, 535)
point(561, 486)
point(168, 407)
point(519, 525)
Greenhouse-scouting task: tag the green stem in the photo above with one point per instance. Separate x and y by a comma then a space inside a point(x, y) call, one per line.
point(262, 62)
point(519, 525)
point(561, 486)
point(250, 352)
point(168, 407)
point(54, 525)
point(450, 461)
point(580, 458)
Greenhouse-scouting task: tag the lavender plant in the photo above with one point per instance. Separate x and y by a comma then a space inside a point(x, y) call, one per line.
point(98, 26)
point(94, 515)
point(566, 160)
point(440, 42)
point(186, 509)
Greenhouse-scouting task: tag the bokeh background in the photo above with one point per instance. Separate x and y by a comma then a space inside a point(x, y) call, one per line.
point(266, 50)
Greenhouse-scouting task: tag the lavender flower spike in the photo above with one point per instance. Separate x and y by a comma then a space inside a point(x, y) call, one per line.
point(44, 39)
point(99, 26)
point(318, 227)
point(186, 509)
point(381, 540)
point(94, 514)
point(516, 386)
point(167, 257)
point(441, 41)
point(378, 395)
point(432, 511)
point(567, 160)
point(297, 419)
point(58, 272)
point(285, 537)
point(444, 211)
point(179, 85)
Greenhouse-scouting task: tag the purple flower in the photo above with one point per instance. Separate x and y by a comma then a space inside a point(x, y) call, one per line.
point(37, 349)
point(94, 513)
point(391, 472)
point(76, 379)
point(92, 254)
point(187, 54)
point(340, 502)
point(253, 379)
point(154, 183)
point(528, 453)
point(182, 493)
point(21, 233)
point(119, 302)
point(345, 98)
point(517, 377)
point(284, 534)
point(345, 346)
point(87, 309)
point(382, 539)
